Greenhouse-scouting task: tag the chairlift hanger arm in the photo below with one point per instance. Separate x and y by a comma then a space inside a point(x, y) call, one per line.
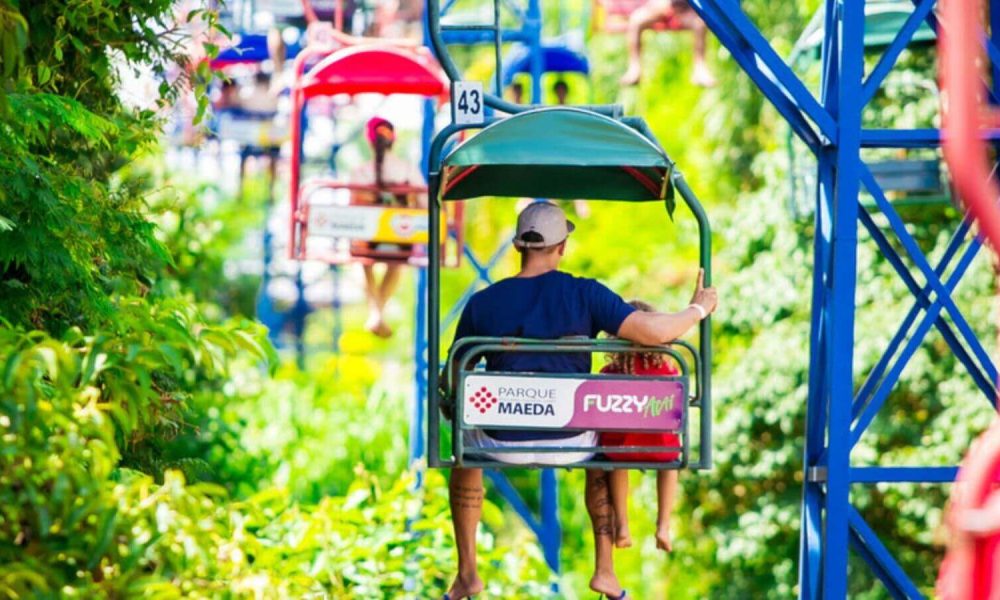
point(434, 28)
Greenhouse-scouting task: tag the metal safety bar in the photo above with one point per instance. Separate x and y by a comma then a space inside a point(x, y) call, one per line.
point(469, 352)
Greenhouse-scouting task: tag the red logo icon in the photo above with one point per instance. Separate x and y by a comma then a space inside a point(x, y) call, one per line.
point(404, 225)
point(483, 400)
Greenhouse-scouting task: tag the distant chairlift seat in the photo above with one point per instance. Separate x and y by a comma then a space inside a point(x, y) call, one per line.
point(327, 226)
point(907, 181)
point(556, 58)
point(259, 130)
point(563, 153)
point(256, 132)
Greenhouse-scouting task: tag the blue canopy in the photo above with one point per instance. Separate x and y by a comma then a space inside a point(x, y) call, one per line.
point(555, 59)
point(251, 48)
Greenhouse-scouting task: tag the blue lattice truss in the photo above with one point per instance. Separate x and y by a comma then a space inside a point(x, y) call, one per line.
point(838, 415)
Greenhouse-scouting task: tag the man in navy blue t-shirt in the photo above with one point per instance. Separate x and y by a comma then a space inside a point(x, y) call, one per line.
point(542, 302)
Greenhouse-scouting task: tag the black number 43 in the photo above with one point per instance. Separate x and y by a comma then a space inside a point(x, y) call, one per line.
point(470, 102)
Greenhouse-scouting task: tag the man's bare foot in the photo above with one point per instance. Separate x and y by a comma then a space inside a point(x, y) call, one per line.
point(632, 75)
point(623, 538)
point(607, 584)
point(465, 587)
point(663, 541)
point(702, 76)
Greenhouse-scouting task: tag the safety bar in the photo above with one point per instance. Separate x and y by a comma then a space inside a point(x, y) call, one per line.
point(468, 351)
point(459, 355)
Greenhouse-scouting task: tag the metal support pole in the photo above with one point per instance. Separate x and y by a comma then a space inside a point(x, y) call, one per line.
point(551, 537)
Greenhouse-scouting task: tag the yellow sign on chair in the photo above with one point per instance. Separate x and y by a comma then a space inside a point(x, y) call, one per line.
point(370, 223)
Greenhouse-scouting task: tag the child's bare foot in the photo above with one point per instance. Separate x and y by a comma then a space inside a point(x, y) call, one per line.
point(465, 587)
point(623, 538)
point(607, 584)
point(632, 75)
point(663, 537)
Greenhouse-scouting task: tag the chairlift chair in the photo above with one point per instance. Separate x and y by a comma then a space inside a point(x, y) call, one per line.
point(257, 132)
point(909, 180)
point(555, 58)
point(563, 153)
point(337, 232)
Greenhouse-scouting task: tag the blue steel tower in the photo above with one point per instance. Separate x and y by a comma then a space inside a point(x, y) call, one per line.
point(838, 411)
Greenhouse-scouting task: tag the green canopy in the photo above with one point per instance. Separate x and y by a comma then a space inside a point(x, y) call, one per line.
point(557, 152)
point(883, 20)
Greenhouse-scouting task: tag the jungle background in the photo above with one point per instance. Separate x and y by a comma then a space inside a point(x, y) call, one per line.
point(154, 444)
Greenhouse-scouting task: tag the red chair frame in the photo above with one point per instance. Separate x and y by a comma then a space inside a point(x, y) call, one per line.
point(362, 67)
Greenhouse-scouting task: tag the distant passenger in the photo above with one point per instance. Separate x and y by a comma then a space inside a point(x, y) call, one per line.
point(680, 16)
point(385, 170)
point(561, 90)
point(517, 93)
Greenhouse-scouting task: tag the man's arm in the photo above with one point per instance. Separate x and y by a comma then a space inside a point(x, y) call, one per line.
point(652, 328)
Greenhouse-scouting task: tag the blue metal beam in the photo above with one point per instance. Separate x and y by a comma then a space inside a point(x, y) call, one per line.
point(862, 549)
point(896, 580)
point(767, 61)
point(882, 392)
point(903, 474)
point(910, 244)
point(921, 300)
point(774, 78)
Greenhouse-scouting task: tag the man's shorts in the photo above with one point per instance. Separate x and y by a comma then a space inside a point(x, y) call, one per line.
point(477, 442)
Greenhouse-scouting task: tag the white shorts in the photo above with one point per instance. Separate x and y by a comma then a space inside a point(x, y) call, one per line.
point(476, 441)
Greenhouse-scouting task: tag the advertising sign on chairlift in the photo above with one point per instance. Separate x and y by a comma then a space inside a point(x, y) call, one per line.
point(467, 106)
point(369, 223)
point(630, 404)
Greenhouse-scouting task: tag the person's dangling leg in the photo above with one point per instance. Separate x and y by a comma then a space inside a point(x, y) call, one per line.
point(666, 493)
point(639, 21)
point(618, 488)
point(601, 514)
point(390, 280)
point(465, 495)
point(372, 291)
point(700, 73)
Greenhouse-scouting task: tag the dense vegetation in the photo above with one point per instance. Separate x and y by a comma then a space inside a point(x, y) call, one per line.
point(154, 444)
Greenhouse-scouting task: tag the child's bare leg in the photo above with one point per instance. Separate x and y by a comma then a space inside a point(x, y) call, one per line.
point(700, 73)
point(618, 483)
point(666, 493)
point(372, 296)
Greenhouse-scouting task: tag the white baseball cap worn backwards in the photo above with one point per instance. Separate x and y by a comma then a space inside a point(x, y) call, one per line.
point(540, 225)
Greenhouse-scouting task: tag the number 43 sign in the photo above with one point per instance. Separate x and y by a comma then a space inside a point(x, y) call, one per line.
point(467, 103)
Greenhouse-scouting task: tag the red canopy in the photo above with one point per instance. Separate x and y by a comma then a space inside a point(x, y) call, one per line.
point(375, 69)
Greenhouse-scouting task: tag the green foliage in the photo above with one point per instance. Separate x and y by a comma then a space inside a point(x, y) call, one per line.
point(147, 451)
